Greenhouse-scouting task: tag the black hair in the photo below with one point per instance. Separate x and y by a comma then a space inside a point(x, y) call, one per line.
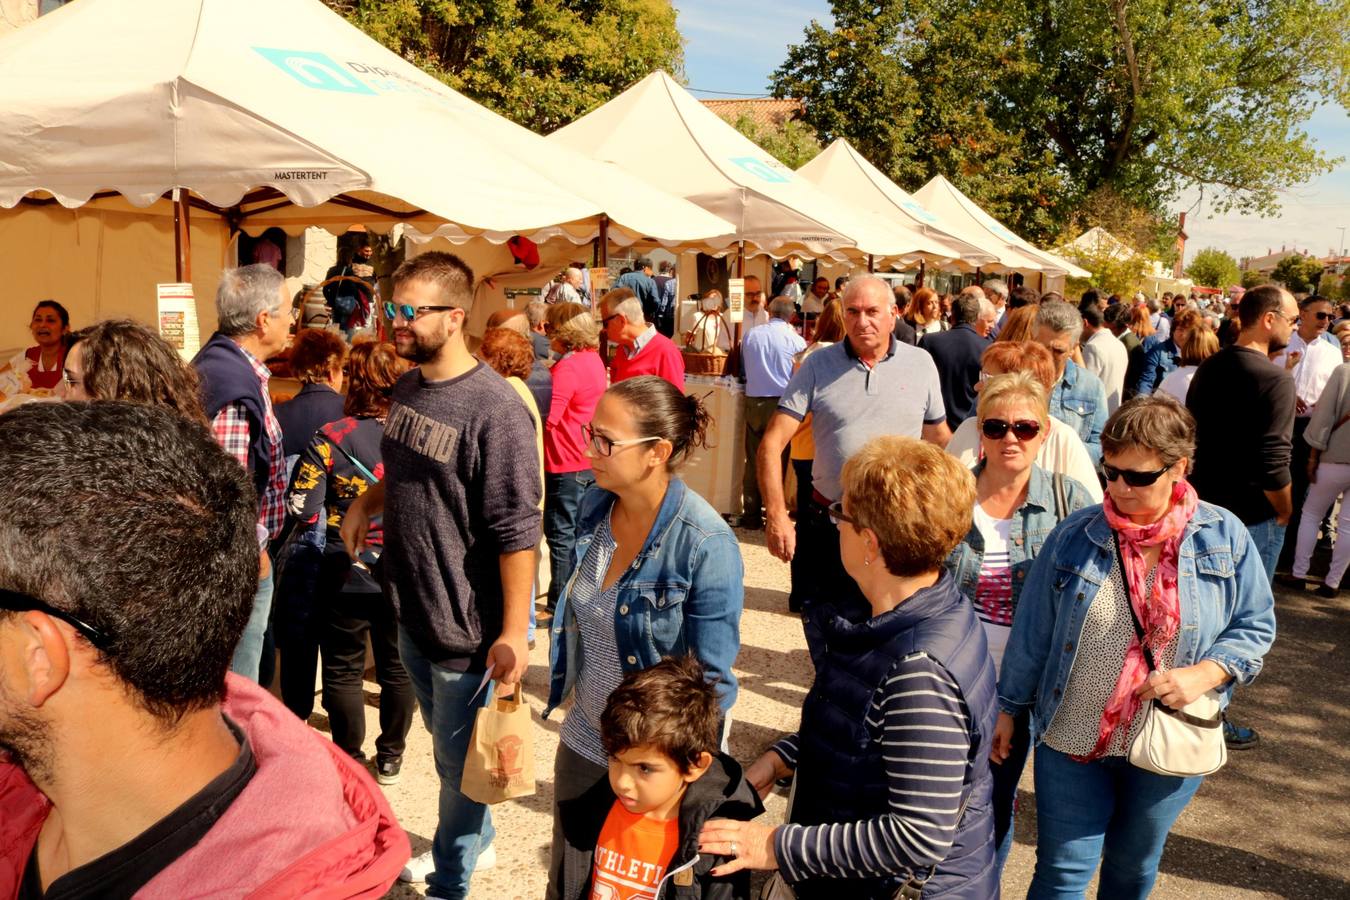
point(670, 706)
point(131, 518)
point(60, 310)
point(662, 411)
point(1022, 296)
point(1311, 299)
point(1259, 301)
point(1091, 313)
point(965, 310)
point(1091, 295)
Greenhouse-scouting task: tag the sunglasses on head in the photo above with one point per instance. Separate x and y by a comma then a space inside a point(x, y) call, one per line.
point(17, 602)
point(1132, 478)
point(1022, 429)
point(409, 312)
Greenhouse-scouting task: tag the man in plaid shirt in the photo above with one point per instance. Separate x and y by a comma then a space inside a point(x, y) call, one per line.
point(255, 316)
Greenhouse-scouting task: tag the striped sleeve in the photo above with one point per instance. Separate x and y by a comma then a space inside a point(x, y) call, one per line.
point(786, 747)
point(924, 728)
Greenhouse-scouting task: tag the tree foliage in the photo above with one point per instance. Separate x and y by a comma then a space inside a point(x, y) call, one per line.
point(1111, 272)
point(1251, 279)
point(541, 63)
point(1212, 267)
point(1298, 273)
point(1032, 106)
point(793, 143)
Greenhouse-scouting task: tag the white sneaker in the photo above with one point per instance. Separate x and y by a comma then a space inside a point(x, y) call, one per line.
point(419, 867)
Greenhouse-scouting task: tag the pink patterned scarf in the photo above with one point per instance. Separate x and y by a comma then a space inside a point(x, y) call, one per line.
point(1160, 615)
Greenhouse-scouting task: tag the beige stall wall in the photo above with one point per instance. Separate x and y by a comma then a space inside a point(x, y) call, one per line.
point(99, 264)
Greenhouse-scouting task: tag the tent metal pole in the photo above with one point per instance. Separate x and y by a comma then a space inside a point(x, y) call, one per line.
point(923, 268)
point(602, 244)
point(740, 259)
point(871, 263)
point(1042, 287)
point(182, 236)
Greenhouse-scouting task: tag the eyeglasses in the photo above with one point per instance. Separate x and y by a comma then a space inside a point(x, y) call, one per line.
point(1323, 316)
point(605, 445)
point(407, 311)
point(604, 323)
point(1132, 478)
point(70, 378)
point(17, 602)
point(287, 311)
point(837, 514)
point(1022, 429)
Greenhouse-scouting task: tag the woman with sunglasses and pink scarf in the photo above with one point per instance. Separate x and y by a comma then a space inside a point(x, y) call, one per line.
point(1018, 504)
point(1075, 664)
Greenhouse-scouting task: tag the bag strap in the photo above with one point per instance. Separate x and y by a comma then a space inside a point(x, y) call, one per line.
point(913, 887)
point(1061, 497)
point(369, 475)
point(1129, 604)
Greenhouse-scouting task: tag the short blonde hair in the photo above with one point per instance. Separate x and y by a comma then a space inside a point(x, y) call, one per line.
point(914, 496)
point(572, 325)
point(1014, 386)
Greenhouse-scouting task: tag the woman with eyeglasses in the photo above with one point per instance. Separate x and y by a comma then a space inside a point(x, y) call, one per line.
point(1155, 565)
point(657, 572)
point(1017, 505)
point(891, 760)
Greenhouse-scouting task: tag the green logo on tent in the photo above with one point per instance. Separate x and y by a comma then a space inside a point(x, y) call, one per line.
point(760, 169)
point(314, 70)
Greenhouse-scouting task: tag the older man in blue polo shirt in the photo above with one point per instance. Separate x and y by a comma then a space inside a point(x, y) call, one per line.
point(862, 387)
point(767, 357)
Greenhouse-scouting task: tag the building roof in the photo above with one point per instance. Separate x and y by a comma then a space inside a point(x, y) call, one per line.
point(1268, 262)
point(765, 111)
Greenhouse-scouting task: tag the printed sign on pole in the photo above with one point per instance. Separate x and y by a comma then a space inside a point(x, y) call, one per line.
point(736, 299)
point(178, 319)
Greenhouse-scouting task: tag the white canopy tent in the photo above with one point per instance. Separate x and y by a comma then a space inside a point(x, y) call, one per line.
point(269, 113)
point(842, 172)
point(658, 131)
point(971, 223)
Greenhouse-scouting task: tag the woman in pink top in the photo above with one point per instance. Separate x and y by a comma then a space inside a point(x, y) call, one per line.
point(578, 382)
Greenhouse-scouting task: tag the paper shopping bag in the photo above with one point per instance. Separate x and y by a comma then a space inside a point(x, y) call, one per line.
point(500, 761)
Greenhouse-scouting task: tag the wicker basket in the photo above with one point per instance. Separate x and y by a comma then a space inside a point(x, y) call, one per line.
point(703, 362)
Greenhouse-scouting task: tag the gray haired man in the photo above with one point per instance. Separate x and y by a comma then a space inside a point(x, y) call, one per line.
point(1078, 398)
point(255, 315)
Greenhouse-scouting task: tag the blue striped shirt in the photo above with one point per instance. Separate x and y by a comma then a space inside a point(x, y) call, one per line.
point(923, 724)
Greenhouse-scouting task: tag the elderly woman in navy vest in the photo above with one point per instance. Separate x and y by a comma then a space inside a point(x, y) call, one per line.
point(1154, 566)
point(896, 730)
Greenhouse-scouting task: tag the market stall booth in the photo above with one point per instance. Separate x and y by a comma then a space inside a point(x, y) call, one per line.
point(136, 131)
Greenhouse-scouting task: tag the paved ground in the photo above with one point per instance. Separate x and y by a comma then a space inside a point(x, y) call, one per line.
point(1275, 822)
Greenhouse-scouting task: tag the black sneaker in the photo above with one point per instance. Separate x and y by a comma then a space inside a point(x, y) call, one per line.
point(387, 771)
point(1239, 737)
point(1328, 592)
point(1293, 582)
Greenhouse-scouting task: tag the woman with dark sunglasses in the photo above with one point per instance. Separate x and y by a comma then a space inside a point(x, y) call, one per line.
point(1152, 565)
point(1017, 505)
point(656, 572)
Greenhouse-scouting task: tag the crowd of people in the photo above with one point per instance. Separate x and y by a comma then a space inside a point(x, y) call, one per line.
point(1020, 526)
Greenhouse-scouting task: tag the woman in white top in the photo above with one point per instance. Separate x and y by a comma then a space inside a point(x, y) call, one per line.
point(711, 332)
point(1061, 451)
point(1017, 505)
point(1200, 344)
point(926, 312)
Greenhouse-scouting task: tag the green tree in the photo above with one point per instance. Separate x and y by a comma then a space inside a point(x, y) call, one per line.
point(793, 143)
point(1298, 273)
point(1111, 274)
point(1252, 279)
point(541, 63)
point(1031, 106)
point(1212, 267)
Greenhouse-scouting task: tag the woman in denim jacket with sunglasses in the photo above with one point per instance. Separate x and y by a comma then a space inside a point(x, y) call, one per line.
point(1197, 586)
point(657, 573)
point(1017, 505)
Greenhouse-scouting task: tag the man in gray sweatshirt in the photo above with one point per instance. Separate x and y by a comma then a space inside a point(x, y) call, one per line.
point(460, 499)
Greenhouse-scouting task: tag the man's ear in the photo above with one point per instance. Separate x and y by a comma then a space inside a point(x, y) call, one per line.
point(696, 771)
point(44, 656)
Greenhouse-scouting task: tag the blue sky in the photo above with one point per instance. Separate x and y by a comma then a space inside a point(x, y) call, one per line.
point(735, 46)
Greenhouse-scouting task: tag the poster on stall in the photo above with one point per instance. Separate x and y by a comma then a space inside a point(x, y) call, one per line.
point(736, 300)
point(178, 319)
point(599, 282)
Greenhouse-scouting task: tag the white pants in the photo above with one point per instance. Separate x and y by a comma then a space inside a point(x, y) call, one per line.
point(1333, 479)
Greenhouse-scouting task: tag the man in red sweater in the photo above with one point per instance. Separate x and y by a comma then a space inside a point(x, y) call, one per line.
point(642, 349)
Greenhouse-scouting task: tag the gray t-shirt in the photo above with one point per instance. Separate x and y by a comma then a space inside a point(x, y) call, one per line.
point(462, 487)
point(851, 404)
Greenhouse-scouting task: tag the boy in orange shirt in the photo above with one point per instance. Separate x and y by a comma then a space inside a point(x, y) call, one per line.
point(661, 729)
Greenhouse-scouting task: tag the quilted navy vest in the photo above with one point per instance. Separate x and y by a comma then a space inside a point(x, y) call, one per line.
point(841, 776)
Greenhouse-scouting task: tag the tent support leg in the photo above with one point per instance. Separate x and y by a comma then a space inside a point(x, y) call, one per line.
point(182, 236)
point(923, 268)
point(602, 244)
point(871, 263)
point(740, 259)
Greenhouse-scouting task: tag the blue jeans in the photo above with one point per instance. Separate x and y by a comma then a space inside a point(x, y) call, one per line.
point(562, 496)
point(463, 827)
point(1268, 537)
point(1006, 775)
point(1105, 810)
point(248, 652)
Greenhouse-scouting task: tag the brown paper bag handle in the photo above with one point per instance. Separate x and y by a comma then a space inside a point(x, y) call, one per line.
point(511, 703)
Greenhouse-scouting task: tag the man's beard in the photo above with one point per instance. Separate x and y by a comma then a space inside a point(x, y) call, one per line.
point(422, 350)
point(25, 737)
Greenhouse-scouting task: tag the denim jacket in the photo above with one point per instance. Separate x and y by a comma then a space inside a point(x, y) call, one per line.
point(1227, 609)
point(1160, 360)
point(1031, 525)
point(683, 593)
point(1079, 401)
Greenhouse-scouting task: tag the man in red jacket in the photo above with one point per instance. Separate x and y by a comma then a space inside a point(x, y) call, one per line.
point(131, 763)
point(642, 349)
